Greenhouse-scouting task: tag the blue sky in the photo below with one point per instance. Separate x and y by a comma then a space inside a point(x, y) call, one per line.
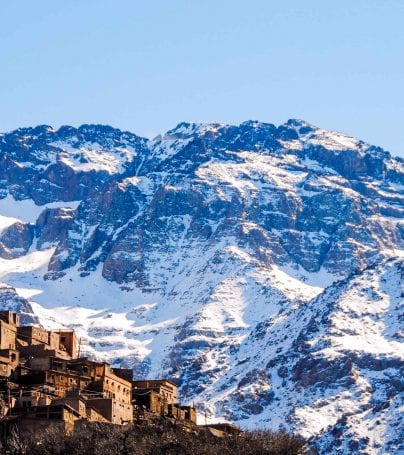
point(146, 66)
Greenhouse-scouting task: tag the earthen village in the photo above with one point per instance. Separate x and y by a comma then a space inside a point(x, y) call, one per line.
point(45, 383)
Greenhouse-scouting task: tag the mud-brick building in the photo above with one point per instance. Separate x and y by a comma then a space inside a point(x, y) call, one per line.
point(38, 418)
point(105, 392)
point(52, 373)
point(41, 377)
point(9, 323)
point(32, 399)
point(165, 388)
point(34, 340)
point(149, 401)
point(160, 397)
point(31, 341)
point(9, 355)
point(94, 377)
point(182, 413)
point(112, 410)
point(116, 402)
point(83, 406)
point(190, 413)
point(34, 335)
point(9, 361)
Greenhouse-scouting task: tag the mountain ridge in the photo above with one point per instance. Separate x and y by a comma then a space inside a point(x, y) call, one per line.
point(239, 260)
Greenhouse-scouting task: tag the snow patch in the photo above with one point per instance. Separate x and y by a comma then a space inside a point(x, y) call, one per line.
point(26, 211)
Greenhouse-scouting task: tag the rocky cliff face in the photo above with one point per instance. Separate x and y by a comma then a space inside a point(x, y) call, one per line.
point(258, 265)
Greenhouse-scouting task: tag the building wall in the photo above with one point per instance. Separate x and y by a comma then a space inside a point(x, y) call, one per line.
point(12, 356)
point(176, 412)
point(33, 335)
point(122, 412)
point(94, 370)
point(7, 335)
point(33, 399)
point(10, 318)
point(9, 359)
point(103, 406)
point(113, 410)
point(4, 368)
point(69, 341)
point(64, 382)
point(74, 402)
point(94, 416)
point(54, 340)
point(150, 400)
point(189, 413)
point(117, 388)
point(63, 341)
point(69, 420)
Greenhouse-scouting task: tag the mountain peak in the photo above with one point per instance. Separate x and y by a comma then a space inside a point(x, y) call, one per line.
point(301, 126)
point(35, 131)
point(185, 130)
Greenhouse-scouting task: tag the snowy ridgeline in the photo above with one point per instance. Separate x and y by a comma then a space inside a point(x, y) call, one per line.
point(258, 265)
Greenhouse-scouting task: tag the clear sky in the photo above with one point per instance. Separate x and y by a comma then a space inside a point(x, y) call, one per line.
point(147, 65)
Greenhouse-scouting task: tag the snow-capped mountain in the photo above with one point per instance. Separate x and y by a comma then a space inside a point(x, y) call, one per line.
point(258, 265)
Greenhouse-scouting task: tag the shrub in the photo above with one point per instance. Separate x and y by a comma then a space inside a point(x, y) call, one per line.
point(155, 438)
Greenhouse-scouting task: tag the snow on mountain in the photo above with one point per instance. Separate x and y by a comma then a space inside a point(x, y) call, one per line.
point(258, 265)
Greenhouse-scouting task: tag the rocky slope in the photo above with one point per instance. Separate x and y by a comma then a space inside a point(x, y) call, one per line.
point(259, 265)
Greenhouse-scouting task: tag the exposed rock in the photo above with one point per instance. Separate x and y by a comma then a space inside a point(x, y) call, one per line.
point(16, 240)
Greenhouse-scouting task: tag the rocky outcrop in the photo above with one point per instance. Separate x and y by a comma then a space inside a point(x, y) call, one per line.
point(10, 300)
point(53, 225)
point(16, 240)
